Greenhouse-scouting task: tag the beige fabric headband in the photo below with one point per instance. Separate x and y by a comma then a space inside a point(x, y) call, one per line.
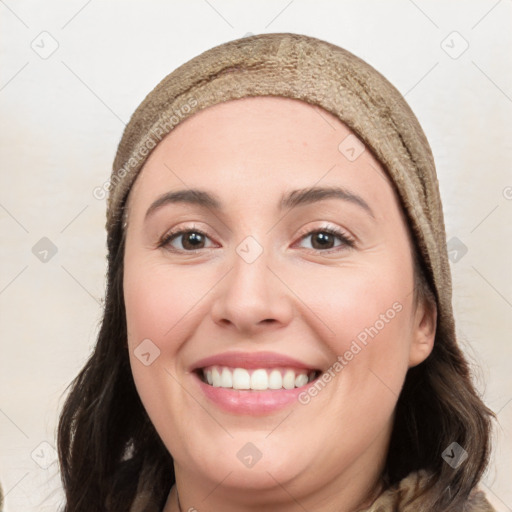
point(320, 73)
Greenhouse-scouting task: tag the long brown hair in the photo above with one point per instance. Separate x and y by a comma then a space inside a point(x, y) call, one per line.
point(108, 446)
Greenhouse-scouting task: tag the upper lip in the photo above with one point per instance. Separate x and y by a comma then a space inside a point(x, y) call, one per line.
point(251, 360)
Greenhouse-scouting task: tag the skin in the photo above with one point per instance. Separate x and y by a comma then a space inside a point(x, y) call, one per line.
point(297, 298)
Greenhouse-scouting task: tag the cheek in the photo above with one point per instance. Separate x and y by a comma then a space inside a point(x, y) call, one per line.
point(156, 303)
point(358, 303)
point(166, 306)
point(161, 306)
point(366, 317)
point(159, 302)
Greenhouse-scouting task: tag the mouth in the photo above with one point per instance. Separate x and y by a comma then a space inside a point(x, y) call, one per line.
point(253, 383)
point(256, 379)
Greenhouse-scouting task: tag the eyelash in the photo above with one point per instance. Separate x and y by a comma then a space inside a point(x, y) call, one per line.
point(347, 240)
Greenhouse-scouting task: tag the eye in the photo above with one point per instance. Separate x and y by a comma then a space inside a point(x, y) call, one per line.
point(323, 239)
point(190, 240)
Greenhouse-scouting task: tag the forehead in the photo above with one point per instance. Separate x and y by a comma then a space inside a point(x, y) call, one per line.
point(277, 122)
point(259, 144)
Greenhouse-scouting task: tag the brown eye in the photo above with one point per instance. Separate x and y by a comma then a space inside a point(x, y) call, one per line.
point(193, 240)
point(322, 240)
point(185, 240)
point(325, 239)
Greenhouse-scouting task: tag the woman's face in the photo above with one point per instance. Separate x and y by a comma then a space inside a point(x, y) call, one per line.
point(290, 263)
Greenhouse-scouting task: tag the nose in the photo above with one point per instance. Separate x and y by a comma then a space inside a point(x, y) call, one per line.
point(253, 297)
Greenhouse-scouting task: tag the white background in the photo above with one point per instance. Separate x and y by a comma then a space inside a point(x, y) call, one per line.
point(62, 118)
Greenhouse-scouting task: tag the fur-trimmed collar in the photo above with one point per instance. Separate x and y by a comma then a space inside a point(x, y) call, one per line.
point(396, 499)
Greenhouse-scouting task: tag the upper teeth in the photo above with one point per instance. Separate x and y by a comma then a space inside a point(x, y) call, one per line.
point(258, 379)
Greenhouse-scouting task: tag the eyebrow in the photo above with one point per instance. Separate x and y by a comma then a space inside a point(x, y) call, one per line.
point(289, 200)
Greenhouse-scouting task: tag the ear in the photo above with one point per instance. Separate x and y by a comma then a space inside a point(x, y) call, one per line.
point(423, 333)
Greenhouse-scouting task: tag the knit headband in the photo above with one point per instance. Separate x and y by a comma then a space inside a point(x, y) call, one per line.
point(320, 73)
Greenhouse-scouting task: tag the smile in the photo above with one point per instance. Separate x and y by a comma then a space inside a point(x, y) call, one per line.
point(253, 383)
point(258, 379)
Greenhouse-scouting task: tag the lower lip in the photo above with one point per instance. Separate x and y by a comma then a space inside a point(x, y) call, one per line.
point(251, 402)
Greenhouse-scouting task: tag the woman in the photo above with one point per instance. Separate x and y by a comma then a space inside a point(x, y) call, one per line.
point(278, 331)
